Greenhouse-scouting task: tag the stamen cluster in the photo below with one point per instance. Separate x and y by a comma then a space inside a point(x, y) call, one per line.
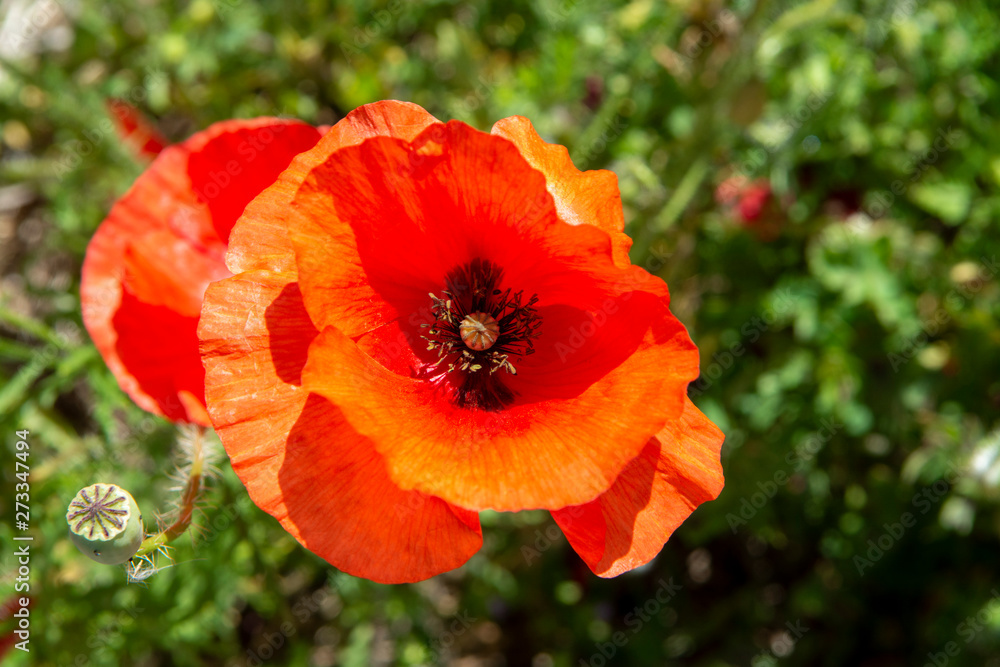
point(479, 326)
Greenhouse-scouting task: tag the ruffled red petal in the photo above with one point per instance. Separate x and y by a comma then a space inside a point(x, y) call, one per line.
point(149, 262)
point(626, 526)
point(581, 197)
point(260, 241)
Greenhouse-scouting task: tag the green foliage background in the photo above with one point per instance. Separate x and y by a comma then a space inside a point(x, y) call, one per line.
point(849, 338)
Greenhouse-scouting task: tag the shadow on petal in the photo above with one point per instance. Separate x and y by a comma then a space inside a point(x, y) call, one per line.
point(290, 331)
point(343, 507)
point(627, 525)
point(589, 523)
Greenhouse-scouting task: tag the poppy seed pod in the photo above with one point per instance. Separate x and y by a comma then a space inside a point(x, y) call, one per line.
point(105, 523)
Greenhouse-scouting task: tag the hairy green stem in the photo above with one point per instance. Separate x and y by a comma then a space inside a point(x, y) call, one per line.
point(186, 511)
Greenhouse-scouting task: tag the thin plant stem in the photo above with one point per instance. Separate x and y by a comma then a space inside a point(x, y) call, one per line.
point(186, 510)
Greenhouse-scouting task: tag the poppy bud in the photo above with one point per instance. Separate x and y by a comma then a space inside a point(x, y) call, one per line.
point(105, 523)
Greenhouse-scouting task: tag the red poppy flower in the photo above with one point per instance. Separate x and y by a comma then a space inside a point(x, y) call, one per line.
point(163, 242)
point(427, 321)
